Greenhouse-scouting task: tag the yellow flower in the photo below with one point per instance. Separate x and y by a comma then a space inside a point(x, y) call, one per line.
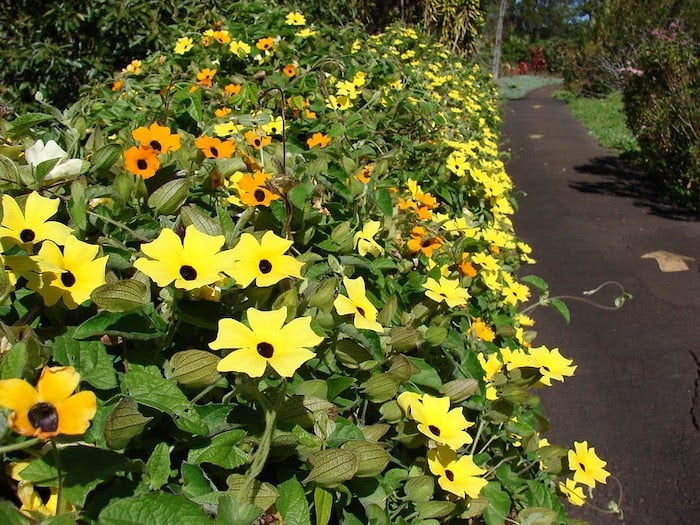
point(193, 262)
point(573, 492)
point(552, 364)
point(305, 33)
point(587, 466)
point(51, 408)
point(439, 423)
point(460, 476)
point(133, 67)
point(205, 77)
point(364, 242)
point(447, 290)
point(31, 226)
point(356, 303)
point(285, 347)
point(265, 44)
point(262, 261)
point(227, 129)
point(32, 502)
point(214, 148)
point(239, 48)
point(274, 127)
point(71, 275)
point(183, 45)
point(341, 102)
point(295, 18)
point(483, 331)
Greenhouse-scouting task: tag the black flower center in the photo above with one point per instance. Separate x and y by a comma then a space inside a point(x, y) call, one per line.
point(214, 151)
point(259, 195)
point(426, 242)
point(155, 145)
point(449, 475)
point(265, 266)
point(44, 417)
point(188, 273)
point(257, 143)
point(435, 430)
point(27, 235)
point(265, 350)
point(361, 311)
point(68, 279)
point(141, 164)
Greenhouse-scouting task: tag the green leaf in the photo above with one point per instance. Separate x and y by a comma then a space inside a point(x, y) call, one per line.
point(83, 468)
point(158, 466)
point(105, 157)
point(383, 199)
point(194, 368)
point(78, 204)
point(148, 387)
point(262, 495)
point(192, 215)
point(61, 519)
point(300, 195)
point(10, 515)
point(124, 423)
point(168, 198)
point(323, 503)
point(499, 503)
point(26, 121)
point(235, 512)
point(9, 174)
point(90, 358)
point(121, 296)
point(537, 282)
point(221, 451)
point(136, 326)
point(560, 307)
point(292, 504)
point(150, 509)
point(21, 359)
point(427, 376)
point(537, 516)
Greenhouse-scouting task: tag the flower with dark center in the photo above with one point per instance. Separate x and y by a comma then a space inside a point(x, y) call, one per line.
point(51, 408)
point(192, 262)
point(457, 475)
point(265, 340)
point(263, 261)
point(32, 225)
point(357, 304)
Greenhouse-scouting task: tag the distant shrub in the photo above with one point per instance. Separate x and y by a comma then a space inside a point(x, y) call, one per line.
point(662, 104)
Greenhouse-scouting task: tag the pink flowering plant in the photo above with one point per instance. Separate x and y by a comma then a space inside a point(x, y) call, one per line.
point(279, 262)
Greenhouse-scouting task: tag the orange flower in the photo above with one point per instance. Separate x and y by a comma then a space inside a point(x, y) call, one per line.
point(253, 189)
point(421, 242)
point(205, 77)
point(290, 70)
point(222, 112)
point(118, 84)
point(51, 408)
point(222, 36)
point(265, 44)
point(232, 89)
point(365, 173)
point(141, 161)
point(214, 148)
point(257, 138)
point(318, 139)
point(156, 137)
point(466, 268)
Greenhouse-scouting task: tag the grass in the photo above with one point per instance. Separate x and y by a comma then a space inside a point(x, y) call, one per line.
point(516, 86)
point(604, 118)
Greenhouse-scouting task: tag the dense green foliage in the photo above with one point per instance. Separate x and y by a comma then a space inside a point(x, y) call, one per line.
point(278, 262)
point(662, 102)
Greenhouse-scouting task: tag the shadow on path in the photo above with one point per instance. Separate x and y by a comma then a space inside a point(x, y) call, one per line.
point(619, 177)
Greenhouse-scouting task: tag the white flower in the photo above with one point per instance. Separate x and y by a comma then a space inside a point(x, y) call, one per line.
point(65, 168)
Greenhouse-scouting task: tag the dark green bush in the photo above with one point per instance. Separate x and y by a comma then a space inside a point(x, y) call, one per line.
point(662, 104)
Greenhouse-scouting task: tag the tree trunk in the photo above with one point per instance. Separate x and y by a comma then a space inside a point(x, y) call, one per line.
point(499, 40)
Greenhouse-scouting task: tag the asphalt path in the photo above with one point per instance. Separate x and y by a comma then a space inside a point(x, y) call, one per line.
point(635, 395)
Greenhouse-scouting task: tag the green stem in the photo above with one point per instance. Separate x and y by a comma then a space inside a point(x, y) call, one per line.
point(59, 479)
point(120, 225)
point(263, 450)
point(19, 446)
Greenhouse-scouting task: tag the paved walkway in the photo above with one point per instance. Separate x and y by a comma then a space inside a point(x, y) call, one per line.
point(635, 393)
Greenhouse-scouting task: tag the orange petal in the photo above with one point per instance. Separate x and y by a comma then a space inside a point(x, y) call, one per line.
point(75, 413)
point(57, 383)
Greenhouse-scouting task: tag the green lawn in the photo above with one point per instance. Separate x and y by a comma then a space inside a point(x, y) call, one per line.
point(604, 118)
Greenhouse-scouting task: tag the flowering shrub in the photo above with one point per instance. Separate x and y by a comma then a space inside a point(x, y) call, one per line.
point(661, 93)
point(279, 263)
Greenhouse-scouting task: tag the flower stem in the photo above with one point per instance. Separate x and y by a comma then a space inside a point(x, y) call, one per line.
point(19, 446)
point(59, 479)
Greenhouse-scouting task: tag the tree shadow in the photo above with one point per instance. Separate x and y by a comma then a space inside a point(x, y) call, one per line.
point(620, 176)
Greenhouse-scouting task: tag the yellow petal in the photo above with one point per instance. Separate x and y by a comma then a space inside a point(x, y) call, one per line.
point(265, 324)
point(298, 334)
point(76, 412)
point(233, 334)
point(198, 244)
point(57, 383)
point(38, 209)
point(286, 362)
point(245, 360)
point(19, 396)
